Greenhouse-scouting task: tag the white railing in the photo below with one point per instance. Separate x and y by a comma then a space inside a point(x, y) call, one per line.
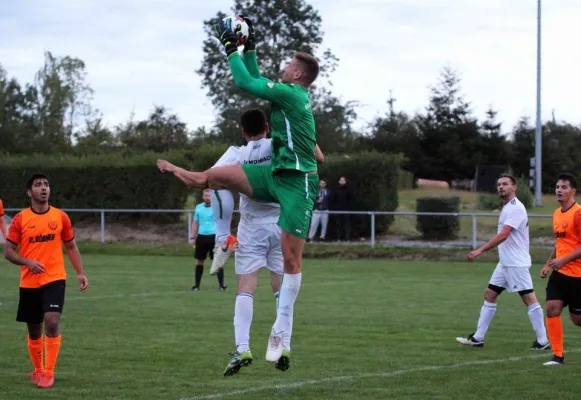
point(372, 215)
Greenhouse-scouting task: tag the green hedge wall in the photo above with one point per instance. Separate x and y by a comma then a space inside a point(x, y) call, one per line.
point(103, 181)
point(123, 180)
point(373, 179)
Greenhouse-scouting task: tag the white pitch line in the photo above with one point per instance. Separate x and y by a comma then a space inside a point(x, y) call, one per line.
point(300, 384)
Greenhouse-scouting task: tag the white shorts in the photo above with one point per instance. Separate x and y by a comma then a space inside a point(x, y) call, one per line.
point(258, 247)
point(513, 279)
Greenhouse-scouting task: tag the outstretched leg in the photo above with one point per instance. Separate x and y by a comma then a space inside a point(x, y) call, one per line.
point(230, 177)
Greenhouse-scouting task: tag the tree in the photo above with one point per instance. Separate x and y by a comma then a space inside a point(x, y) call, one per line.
point(60, 96)
point(449, 139)
point(395, 132)
point(18, 124)
point(160, 132)
point(495, 146)
point(283, 27)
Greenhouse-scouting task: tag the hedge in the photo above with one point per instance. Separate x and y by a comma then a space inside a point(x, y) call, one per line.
point(436, 227)
point(124, 180)
point(372, 178)
point(98, 181)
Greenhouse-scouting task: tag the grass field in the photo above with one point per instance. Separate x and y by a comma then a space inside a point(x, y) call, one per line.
point(364, 329)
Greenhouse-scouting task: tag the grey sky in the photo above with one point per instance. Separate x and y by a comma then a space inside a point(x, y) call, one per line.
point(140, 53)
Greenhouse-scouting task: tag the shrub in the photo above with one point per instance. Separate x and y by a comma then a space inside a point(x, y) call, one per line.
point(438, 227)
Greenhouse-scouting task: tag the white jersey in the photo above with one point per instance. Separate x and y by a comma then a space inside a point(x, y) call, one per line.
point(255, 152)
point(514, 251)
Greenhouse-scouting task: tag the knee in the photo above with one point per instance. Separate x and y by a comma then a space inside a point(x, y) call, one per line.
point(35, 331)
point(292, 265)
point(490, 295)
point(553, 310)
point(576, 319)
point(51, 325)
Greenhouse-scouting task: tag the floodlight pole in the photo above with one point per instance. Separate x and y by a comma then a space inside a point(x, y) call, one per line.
point(539, 126)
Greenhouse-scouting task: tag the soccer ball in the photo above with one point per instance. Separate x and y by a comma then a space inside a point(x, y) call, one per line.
point(237, 23)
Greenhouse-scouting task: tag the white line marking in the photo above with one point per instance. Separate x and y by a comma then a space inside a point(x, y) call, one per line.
point(300, 384)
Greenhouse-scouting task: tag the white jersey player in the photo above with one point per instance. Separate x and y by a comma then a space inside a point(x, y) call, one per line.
point(258, 242)
point(513, 270)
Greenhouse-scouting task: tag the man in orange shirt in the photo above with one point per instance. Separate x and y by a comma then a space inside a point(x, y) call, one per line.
point(2, 223)
point(564, 286)
point(40, 232)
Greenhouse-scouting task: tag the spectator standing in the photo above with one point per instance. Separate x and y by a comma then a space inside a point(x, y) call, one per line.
point(321, 212)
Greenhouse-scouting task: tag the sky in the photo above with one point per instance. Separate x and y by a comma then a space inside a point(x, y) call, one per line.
point(141, 53)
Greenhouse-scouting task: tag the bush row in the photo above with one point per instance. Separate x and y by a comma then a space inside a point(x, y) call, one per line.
point(125, 180)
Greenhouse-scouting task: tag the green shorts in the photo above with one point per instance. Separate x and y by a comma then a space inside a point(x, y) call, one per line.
point(295, 191)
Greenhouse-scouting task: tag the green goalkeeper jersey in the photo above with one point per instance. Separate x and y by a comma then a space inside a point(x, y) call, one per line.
point(291, 119)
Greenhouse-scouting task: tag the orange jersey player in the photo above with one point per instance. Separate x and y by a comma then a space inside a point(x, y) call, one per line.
point(564, 286)
point(39, 232)
point(2, 223)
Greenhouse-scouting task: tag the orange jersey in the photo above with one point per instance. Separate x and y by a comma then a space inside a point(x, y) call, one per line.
point(40, 237)
point(567, 229)
point(1, 208)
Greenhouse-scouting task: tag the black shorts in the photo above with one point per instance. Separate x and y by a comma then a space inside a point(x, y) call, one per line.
point(204, 247)
point(567, 289)
point(34, 302)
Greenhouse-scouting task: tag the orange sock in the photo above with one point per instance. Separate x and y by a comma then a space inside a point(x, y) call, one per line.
point(35, 352)
point(555, 331)
point(52, 346)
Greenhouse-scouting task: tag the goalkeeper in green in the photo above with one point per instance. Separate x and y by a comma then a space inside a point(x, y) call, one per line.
point(292, 178)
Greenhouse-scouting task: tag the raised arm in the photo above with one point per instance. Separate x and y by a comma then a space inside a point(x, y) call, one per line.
point(259, 87)
point(250, 60)
point(251, 64)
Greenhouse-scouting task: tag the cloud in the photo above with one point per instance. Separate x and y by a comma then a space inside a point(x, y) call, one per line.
point(141, 53)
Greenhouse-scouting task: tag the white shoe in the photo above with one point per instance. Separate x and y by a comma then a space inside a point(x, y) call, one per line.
point(275, 348)
point(222, 253)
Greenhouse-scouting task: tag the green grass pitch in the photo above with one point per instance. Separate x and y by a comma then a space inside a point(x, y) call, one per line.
point(363, 329)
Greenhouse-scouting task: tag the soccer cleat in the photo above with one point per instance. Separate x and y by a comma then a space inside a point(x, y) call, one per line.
point(195, 289)
point(274, 350)
point(35, 376)
point(470, 341)
point(556, 361)
point(46, 381)
point(238, 361)
point(222, 253)
point(537, 346)
point(283, 362)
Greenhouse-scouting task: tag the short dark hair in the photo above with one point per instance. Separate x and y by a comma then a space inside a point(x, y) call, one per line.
point(33, 178)
point(565, 176)
point(512, 178)
point(253, 122)
point(310, 65)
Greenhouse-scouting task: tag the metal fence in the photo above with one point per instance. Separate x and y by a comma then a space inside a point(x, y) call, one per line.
point(472, 239)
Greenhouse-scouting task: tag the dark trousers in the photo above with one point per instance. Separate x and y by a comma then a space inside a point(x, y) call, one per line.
point(343, 226)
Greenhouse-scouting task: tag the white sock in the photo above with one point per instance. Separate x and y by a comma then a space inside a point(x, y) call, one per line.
point(486, 314)
point(289, 291)
point(243, 312)
point(223, 207)
point(538, 321)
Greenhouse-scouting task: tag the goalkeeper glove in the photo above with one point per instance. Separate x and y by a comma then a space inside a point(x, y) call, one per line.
point(228, 38)
point(250, 44)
